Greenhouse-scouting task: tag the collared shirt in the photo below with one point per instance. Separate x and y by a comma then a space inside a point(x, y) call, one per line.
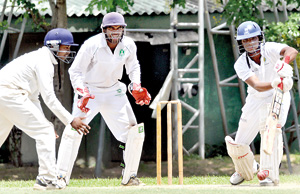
point(33, 72)
point(96, 65)
point(270, 54)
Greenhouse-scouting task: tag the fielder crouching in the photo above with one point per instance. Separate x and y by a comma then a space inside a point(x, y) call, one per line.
point(21, 82)
point(95, 75)
point(261, 67)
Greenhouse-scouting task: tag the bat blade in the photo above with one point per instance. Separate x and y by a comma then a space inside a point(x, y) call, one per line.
point(272, 121)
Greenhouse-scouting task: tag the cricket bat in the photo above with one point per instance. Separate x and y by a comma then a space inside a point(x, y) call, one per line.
point(272, 119)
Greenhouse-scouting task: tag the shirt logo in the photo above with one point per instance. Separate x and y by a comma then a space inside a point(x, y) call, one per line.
point(122, 53)
point(119, 92)
point(141, 129)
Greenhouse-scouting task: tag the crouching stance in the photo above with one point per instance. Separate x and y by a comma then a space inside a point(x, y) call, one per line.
point(21, 82)
point(95, 76)
point(261, 66)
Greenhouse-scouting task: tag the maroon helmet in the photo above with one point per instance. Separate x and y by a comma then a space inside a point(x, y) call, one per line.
point(113, 19)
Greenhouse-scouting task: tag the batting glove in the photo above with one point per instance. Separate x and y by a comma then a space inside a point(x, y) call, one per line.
point(140, 94)
point(287, 83)
point(83, 98)
point(283, 69)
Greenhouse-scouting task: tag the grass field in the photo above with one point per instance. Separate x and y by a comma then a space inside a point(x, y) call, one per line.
point(289, 184)
point(200, 176)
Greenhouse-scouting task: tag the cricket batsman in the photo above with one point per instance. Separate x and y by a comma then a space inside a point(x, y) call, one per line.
point(95, 75)
point(21, 82)
point(262, 68)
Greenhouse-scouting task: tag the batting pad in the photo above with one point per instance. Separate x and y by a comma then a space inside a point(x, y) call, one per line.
point(272, 162)
point(133, 151)
point(242, 158)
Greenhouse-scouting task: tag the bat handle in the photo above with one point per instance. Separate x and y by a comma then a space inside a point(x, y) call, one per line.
point(286, 60)
point(280, 85)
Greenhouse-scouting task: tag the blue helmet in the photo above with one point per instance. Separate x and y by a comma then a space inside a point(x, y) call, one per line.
point(247, 30)
point(113, 19)
point(60, 36)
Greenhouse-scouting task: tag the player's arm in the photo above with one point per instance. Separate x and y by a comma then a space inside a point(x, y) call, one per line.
point(255, 83)
point(79, 67)
point(132, 65)
point(45, 73)
point(289, 51)
point(77, 72)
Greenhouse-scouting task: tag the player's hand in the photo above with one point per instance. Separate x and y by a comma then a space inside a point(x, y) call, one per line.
point(287, 83)
point(140, 94)
point(80, 126)
point(283, 69)
point(83, 98)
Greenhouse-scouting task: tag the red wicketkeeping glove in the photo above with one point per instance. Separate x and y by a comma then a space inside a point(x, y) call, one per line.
point(83, 98)
point(140, 94)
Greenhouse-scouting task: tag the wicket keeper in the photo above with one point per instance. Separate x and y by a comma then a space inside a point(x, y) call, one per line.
point(95, 75)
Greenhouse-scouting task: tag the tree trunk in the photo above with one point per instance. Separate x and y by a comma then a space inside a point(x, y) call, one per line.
point(59, 20)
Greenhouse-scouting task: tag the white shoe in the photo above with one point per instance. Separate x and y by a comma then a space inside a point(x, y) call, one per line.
point(134, 181)
point(266, 182)
point(44, 184)
point(62, 180)
point(236, 179)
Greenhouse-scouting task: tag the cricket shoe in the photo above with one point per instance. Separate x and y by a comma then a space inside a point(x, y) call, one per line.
point(44, 184)
point(61, 178)
point(236, 179)
point(266, 182)
point(134, 181)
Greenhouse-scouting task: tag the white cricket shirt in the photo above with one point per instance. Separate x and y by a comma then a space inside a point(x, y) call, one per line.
point(33, 72)
point(96, 65)
point(265, 71)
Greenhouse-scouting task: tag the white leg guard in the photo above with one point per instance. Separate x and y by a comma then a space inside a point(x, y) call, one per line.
point(242, 158)
point(133, 151)
point(270, 163)
point(67, 153)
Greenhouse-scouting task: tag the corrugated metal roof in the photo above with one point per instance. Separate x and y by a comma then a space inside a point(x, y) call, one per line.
point(140, 7)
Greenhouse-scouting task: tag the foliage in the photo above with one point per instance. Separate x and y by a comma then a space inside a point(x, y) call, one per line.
point(111, 5)
point(287, 32)
point(180, 3)
point(238, 11)
point(30, 9)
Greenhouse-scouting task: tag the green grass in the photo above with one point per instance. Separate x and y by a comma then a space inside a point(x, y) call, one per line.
point(209, 184)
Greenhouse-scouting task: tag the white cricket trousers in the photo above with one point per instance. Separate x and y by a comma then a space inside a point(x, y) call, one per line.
point(115, 108)
point(17, 109)
point(249, 124)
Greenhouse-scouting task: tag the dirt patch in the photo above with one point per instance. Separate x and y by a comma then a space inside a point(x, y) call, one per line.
point(219, 166)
